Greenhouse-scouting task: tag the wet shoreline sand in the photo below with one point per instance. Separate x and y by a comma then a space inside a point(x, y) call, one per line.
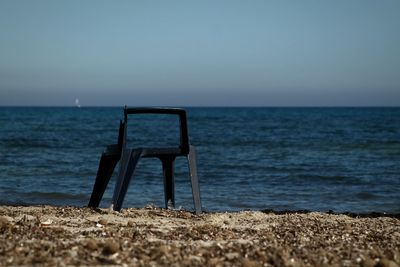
point(62, 236)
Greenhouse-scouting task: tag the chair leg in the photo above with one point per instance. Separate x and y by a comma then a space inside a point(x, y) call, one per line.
point(194, 180)
point(129, 160)
point(106, 167)
point(169, 183)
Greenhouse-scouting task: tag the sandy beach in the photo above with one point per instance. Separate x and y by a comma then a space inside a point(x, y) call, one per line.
point(62, 236)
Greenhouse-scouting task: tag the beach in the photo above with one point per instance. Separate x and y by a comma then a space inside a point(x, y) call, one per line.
point(150, 236)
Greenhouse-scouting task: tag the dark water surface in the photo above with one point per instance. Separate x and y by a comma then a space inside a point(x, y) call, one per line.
point(340, 159)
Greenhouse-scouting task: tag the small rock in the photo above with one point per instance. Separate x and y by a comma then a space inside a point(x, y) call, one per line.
point(215, 262)
point(131, 223)
point(150, 206)
point(232, 255)
point(91, 244)
point(250, 263)
point(72, 253)
point(396, 256)
point(387, 263)
point(103, 221)
point(368, 262)
point(110, 247)
point(46, 223)
point(195, 258)
point(8, 218)
point(25, 218)
point(4, 223)
point(163, 250)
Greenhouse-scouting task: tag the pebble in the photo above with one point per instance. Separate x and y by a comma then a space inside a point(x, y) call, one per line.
point(25, 218)
point(396, 256)
point(110, 247)
point(3, 223)
point(163, 250)
point(387, 263)
point(216, 262)
point(91, 244)
point(7, 218)
point(45, 223)
point(232, 255)
point(195, 258)
point(250, 263)
point(103, 222)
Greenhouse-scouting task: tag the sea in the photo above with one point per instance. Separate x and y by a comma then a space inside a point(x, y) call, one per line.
point(248, 158)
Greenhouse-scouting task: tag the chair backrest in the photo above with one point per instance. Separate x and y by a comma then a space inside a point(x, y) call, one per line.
point(184, 137)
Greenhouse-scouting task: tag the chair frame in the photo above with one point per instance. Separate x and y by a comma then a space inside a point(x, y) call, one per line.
point(130, 157)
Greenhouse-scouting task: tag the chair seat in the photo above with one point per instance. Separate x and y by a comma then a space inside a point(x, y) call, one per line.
point(147, 152)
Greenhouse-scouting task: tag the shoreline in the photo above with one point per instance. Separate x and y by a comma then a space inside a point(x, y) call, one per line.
point(55, 235)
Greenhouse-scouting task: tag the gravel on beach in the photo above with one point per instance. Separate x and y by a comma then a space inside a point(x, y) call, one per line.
point(63, 236)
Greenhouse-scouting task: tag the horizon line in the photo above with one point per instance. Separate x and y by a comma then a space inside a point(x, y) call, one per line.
point(203, 106)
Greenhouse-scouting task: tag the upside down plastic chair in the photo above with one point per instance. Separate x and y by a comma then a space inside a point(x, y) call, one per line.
point(130, 157)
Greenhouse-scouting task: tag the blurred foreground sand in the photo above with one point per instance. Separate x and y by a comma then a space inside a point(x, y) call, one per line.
point(62, 236)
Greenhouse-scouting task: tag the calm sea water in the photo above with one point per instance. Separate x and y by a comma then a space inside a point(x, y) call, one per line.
point(340, 159)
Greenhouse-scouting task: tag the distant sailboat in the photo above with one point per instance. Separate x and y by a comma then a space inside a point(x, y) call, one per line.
point(77, 103)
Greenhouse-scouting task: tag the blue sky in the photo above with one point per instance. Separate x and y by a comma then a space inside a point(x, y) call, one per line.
point(201, 53)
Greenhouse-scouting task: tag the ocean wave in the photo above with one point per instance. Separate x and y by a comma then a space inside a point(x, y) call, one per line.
point(23, 142)
point(52, 195)
point(366, 195)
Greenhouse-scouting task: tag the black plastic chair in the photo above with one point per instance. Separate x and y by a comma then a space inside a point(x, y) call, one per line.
point(130, 157)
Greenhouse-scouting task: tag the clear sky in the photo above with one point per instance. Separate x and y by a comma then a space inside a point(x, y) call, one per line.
point(202, 53)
